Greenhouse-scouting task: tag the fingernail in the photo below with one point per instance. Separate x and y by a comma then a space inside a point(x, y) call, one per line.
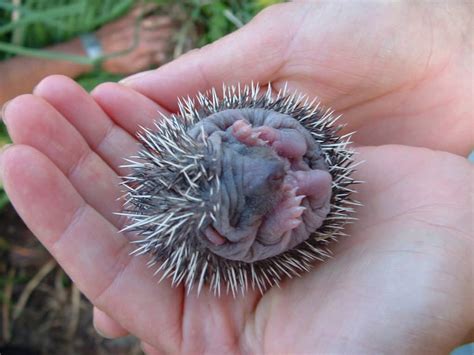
point(129, 79)
point(4, 107)
point(101, 334)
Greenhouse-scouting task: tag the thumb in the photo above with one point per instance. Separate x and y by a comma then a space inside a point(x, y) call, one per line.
point(253, 53)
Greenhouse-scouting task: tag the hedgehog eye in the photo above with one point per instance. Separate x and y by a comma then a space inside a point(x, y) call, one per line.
point(276, 179)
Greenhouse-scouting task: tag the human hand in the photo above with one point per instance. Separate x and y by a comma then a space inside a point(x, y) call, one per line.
point(407, 242)
point(399, 72)
point(402, 280)
point(154, 34)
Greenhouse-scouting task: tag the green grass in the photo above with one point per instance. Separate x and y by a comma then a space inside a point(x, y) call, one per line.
point(215, 19)
point(37, 23)
point(34, 24)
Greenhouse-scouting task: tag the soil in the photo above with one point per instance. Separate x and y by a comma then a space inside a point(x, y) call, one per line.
point(42, 310)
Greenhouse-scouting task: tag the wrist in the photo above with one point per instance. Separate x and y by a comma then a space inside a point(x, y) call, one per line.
point(92, 46)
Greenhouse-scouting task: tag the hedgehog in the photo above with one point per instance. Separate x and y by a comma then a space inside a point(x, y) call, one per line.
point(239, 191)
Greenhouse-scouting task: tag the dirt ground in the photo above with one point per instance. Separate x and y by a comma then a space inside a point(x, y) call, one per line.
point(42, 311)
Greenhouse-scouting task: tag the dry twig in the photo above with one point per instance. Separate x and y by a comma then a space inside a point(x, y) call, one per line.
point(75, 308)
point(31, 286)
point(7, 295)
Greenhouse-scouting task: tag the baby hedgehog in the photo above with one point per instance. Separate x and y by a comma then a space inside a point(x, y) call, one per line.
point(241, 191)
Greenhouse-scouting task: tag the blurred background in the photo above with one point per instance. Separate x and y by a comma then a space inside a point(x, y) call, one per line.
point(42, 312)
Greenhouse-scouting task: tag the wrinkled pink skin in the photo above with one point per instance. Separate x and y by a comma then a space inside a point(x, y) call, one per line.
point(313, 184)
point(293, 198)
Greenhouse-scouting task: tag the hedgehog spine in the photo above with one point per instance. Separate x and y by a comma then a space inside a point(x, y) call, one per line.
point(164, 210)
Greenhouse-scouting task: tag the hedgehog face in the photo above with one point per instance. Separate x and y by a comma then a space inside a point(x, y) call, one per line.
point(255, 178)
point(275, 190)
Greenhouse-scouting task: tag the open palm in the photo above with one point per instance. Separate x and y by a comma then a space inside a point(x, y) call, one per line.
point(402, 280)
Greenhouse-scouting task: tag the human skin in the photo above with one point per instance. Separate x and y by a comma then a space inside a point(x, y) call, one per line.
point(401, 283)
point(116, 36)
point(401, 72)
